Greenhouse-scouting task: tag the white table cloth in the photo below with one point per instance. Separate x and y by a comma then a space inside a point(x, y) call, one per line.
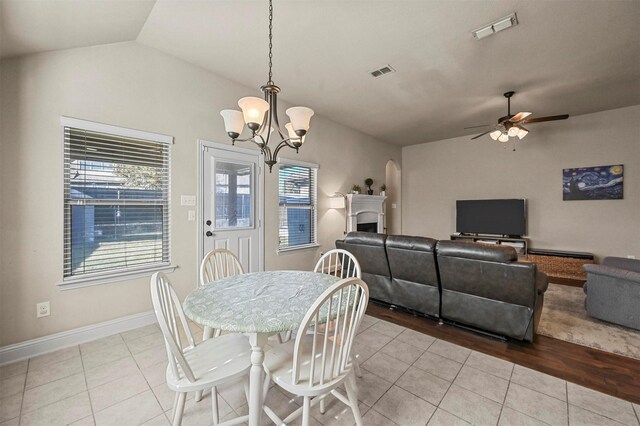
point(258, 304)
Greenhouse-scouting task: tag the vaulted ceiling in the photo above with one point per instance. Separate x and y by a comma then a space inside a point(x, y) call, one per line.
point(570, 56)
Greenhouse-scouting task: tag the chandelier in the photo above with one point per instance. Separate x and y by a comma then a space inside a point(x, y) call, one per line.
point(261, 117)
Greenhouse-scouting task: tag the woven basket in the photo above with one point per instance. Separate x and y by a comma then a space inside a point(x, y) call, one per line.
point(562, 267)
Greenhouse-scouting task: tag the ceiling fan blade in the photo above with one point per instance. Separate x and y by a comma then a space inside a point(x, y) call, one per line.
point(549, 118)
point(482, 125)
point(481, 134)
point(519, 117)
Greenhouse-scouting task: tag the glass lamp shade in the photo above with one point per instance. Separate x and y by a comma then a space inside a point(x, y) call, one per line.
point(300, 118)
point(495, 134)
point(253, 110)
point(522, 133)
point(504, 138)
point(233, 121)
point(513, 131)
point(264, 133)
point(292, 134)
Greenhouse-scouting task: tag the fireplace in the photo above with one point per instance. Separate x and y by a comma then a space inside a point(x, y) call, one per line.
point(365, 213)
point(368, 227)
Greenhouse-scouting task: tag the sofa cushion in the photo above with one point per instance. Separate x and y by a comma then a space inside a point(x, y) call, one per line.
point(369, 249)
point(477, 251)
point(406, 242)
point(412, 261)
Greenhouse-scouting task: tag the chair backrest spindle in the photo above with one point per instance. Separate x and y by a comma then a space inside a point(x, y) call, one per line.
point(339, 263)
point(165, 305)
point(340, 308)
point(218, 264)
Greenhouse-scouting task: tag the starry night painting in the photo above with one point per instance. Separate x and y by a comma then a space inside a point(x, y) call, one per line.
point(593, 183)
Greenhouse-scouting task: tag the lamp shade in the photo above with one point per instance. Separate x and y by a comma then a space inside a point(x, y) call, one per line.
point(233, 122)
point(495, 134)
point(292, 134)
point(300, 117)
point(522, 133)
point(336, 202)
point(504, 138)
point(253, 109)
point(513, 131)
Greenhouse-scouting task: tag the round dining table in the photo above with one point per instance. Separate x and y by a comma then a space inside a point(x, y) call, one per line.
point(257, 304)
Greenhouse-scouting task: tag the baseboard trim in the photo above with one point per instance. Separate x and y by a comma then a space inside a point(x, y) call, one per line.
point(65, 339)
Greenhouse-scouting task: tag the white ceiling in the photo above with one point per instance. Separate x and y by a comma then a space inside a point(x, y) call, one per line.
point(29, 26)
point(569, 56)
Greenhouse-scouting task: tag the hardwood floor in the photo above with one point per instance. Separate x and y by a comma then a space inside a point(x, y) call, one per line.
point(603, 371)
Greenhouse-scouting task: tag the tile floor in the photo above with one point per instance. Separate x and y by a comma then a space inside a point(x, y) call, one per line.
point(409, 378)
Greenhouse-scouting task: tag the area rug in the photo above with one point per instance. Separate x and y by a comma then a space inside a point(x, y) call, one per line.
point(564, 317)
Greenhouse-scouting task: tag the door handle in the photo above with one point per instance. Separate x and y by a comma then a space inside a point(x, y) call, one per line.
point(208, 222)
point(209, 234)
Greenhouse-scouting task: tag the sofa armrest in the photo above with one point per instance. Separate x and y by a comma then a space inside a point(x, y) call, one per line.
point(542, 282)
point(608, 271)
point(622, 263)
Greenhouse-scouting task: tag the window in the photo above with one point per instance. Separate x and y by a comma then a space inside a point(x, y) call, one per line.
point(116, 201)
point(233, 202)
point(297, 195)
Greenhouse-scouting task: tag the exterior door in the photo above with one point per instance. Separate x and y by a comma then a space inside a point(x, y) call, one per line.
point(232, 203)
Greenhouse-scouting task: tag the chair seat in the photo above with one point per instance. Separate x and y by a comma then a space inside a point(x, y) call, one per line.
point(278, 363)
point(213, 362)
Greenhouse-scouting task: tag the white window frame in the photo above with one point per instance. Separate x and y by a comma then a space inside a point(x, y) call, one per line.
point(314, 244)
point(98, 278)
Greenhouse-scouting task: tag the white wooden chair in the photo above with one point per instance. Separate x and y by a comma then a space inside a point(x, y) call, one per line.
point(218, 264)
point(316, 363)
point(197, 367)
point(339, 263)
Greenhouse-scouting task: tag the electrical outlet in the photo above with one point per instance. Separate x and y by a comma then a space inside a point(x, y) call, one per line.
point(393, 205)
point(42, 309)
point(191, 215)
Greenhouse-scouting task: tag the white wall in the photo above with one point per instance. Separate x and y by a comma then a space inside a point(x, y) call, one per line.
point(131, 86)
point(437, 174)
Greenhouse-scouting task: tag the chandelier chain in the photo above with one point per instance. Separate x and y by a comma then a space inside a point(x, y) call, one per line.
point(270, 81)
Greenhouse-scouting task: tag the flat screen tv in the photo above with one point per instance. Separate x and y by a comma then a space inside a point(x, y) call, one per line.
point(502, 217)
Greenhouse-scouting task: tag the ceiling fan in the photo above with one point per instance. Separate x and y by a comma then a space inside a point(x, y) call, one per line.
point(513, 125)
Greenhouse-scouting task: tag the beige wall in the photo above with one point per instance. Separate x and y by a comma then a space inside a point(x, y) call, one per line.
point(436, 174)
point(131, 86)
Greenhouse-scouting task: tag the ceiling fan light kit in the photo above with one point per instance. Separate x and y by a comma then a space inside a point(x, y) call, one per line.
point(511, 126)
point(261, 114)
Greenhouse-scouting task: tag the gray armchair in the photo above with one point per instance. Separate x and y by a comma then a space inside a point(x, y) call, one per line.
point(613, 291)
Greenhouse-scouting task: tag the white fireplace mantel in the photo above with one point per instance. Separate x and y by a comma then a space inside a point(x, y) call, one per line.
point(365, 209)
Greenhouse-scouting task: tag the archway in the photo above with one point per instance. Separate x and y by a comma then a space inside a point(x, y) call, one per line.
point(394, 198)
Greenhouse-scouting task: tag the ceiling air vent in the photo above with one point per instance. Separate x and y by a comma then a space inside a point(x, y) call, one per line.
point(496, 26)
point(387, 69)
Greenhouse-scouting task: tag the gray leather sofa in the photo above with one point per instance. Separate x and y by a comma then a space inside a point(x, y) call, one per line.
point(485, 287)
point(478, 286)
point(613, 291)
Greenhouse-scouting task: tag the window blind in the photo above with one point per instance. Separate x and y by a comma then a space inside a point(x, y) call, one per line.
point(297, 194)
point(116, 203)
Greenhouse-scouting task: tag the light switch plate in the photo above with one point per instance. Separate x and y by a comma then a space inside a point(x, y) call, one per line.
point(187, 200)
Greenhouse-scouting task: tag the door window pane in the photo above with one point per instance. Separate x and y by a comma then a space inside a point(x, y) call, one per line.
point(233, 195)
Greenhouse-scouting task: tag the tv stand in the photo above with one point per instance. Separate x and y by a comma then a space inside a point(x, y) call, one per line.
point(520, 244)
